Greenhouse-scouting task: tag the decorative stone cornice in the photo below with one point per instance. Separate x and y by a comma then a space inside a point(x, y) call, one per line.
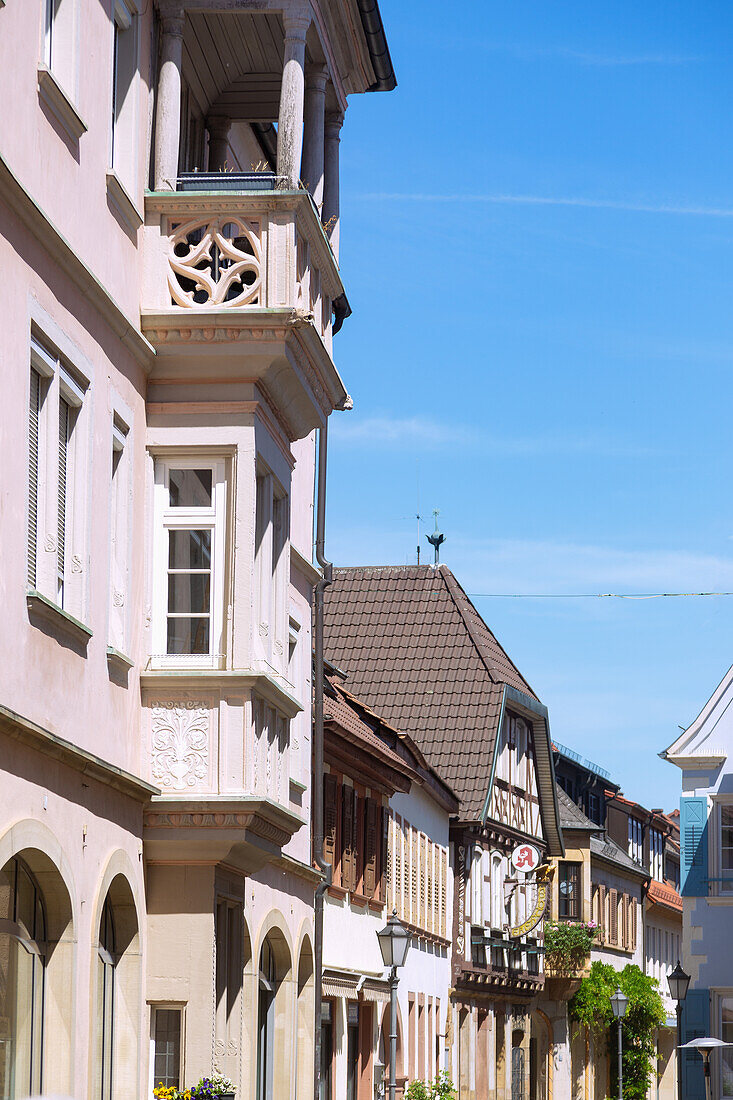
point(170, 681)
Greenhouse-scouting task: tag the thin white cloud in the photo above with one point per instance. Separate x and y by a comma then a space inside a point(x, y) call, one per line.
point(499, 199)
point(403, 433)
point(585, 57)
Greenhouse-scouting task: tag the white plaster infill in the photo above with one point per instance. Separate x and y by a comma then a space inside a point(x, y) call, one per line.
point(22, 729)
point(60, 104)
point(263, 683)
point(60, 251)
point(45, 610)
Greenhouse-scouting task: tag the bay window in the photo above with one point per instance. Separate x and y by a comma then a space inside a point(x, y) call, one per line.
point(188, 581)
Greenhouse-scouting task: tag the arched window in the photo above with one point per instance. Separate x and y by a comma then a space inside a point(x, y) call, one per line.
point(106, 962)
point(22, 980)
point(266, 1022)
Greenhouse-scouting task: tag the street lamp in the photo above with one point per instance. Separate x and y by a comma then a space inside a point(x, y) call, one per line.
point(678, 983)
point(394, 940)
point(706, 1047)
point(619, 1004)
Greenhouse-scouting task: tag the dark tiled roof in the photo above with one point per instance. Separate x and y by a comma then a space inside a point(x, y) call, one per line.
point(571, 817)
point(339, 710)
point(416, 650)
point(609, 850)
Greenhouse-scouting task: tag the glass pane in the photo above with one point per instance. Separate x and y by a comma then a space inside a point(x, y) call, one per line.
point(25, 901)
point(189, 550)
point(188, 592)
point(190, 488)
point(167, 1046)
point(726, 838)
point(727, 1055)
point(188, 635)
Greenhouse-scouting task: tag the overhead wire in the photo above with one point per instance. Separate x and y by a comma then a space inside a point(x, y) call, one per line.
point(590, 595)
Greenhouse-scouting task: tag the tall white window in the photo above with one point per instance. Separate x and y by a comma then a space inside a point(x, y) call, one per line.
point(124, 74)
point(726, 848)
point(271, 541)
point(188, 583)
point(656, 851)
point(59, 40)
point(22, 980)
point(166, 1043)
point(56, 536)
point(636, 840)
point(119, 534)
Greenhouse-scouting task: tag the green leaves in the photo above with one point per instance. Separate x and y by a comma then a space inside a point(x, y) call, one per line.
point(568, 944)
point(591, 1007)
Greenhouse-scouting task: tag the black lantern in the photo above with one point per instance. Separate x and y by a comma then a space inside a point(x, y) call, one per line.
point(678, 983)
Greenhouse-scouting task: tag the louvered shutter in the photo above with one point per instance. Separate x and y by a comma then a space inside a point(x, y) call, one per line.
point(429, 886)
point(613, 916)
point(625, 923)
point(370, 848)
point(386, 891)
point(694, 841)
point(695, 1024)
point(414, 878)
point(423, 878)
point(398, 858)
point(602, 904)
point(443, 892)
point(347, 835)
point(34, 410)
point(329, 820)
point(632, 916)
point(64, 425)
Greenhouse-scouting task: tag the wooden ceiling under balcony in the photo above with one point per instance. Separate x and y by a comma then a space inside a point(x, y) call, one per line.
point(232, 62)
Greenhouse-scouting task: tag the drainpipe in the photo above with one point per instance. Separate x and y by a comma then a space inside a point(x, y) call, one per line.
point(317, 788)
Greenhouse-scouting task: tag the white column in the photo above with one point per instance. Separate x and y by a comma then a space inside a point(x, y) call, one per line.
point(331, 203)
point(168, 106)
point(313, 135)
point(290, 121)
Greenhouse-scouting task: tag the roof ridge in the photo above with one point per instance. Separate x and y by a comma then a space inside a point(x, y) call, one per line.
point(450, 579)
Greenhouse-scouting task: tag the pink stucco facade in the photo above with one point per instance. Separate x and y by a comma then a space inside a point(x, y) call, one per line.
point(167, 365)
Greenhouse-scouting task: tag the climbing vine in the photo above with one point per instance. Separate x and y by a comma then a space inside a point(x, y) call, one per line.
point(591, 1007)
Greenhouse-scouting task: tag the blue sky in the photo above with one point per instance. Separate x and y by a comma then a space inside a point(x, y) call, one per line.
point(537, 234)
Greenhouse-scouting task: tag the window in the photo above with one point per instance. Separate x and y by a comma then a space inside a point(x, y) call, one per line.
point(106, 960)
point(59, 41)
point(726, 1034)
point(22, 981)
point(119, 535)
point(326, 1049)
point(167, 1047)
point(229, 933)
point(672, 872)
point(593, 807)
point(56, 532)
point(271, 571)
point(124, 71)
point(569, 891)
point(636, 840)
point(656, 854)
point(726, 847)
point(188, 584)
point(266, 1024)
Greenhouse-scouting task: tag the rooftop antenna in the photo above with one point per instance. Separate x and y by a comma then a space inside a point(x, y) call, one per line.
point(418, 517)
point(436, 538)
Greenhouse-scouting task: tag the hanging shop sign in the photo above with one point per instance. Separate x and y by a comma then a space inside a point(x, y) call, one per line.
point(541, 882)
point(526, 857)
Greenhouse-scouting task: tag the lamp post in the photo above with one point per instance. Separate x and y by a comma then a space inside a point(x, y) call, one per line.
point(678, 983)
point(394, 940)
point(706, 1047)
point(619, 1004)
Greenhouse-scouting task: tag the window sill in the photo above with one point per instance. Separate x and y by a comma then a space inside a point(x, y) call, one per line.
point(42, 608)
point(56, 99)
point(296, 785)
point(337, 892)
point(121, 199)
point(118, 661)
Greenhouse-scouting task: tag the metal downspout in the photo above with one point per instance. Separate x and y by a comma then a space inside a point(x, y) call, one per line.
point(317, 788)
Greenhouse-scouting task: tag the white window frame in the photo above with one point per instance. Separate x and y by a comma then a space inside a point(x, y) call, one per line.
point(718, 996)
point(167, 518)
point(123, 126)
point(60, 380)
point(722, 880)
point(656, 854)
point(636, 840)
point(59, 41)
point(120, 528)
point(170, 1006)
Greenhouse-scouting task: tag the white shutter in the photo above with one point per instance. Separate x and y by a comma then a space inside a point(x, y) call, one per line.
point(64, 426)
point(34, 409)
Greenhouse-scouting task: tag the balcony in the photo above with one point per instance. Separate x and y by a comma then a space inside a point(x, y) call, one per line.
point(243, 272)
point(218, 745)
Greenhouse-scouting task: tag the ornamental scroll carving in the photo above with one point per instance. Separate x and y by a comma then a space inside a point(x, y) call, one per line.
point(180, 744)
point(215, 263)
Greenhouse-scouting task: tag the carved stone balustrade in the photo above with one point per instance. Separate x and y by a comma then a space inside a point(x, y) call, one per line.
point(229, 275)
point(217, 745)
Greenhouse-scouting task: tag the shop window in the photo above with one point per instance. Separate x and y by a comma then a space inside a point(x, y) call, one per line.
point(22, 981)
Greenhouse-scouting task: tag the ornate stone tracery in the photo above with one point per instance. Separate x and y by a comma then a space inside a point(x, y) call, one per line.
point(217, 262)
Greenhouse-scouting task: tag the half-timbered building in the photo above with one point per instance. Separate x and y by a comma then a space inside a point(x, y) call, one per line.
point(418, 651)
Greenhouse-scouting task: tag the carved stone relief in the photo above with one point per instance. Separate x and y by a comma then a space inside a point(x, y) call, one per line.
point(179, 744)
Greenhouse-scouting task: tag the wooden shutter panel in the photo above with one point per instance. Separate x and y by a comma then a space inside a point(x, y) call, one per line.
point(625, 922)
point(604, 913)
point(329, 820)
point(613, 916)
point(414, 881)
point(423, 879)
point(399, 862)
point(370, 848)
point(348, 861)
point(694, 841)
point(632, 924)
point(34, 410)
point(387, 890)
point(443, 892)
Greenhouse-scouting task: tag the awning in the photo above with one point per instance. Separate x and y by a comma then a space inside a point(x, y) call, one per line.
point(343, 984)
